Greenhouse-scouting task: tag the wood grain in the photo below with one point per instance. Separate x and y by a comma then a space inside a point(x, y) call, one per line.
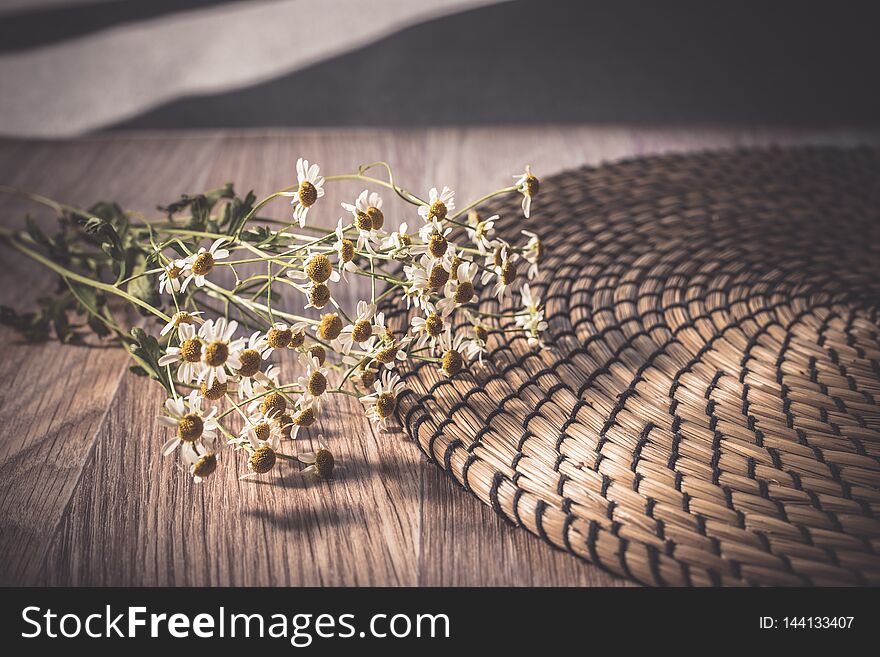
point(85, 497)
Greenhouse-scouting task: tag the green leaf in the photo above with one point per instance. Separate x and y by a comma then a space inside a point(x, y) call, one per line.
point(141, 287)
point(235, 212)
point(199, 205)
point(146, 352)
point(36, 233)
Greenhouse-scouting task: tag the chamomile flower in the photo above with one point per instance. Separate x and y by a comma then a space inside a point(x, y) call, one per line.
point(252, 386)
point(459, 291)
point(344, 248)
point(532, 317)
point(389, 351)
point(319, 269)
point(261, 460)
point(453, 354)
point(278, 336)
point(399, 240)
point(193, 424)
point(434, 240)
point(170, 278)
point(439, 205)
point(199, 265)
point(218, 390)
point(362, 328)
point(251, 355)
point(180, 318)
point(313, 382)
point(188, 354)
point(367, 211)
point(220, 351)
point(533, 253)
point(303, 416)
point(531, 305)
point(270, 401)
point(382, 402)
point(481, 231)
point(297, 335)
point(321, 461)
point(200, 465)
point(429, 329)
point(259, 429)
point(418, 288)
point(505, 270)
point(527, 185)
point(474, 348)
point(368, 220)
point(476, 345)
point(311, 188)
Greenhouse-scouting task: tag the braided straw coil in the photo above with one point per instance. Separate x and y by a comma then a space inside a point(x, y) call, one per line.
point(706, 410)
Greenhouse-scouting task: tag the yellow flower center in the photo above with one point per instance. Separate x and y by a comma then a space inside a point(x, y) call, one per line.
point(319, 295)
point(346, 250)
point(305, 418)
point(273, 404)
point(317, 351)
point(174, 272)
point(262, 431)
point(377, 218)
point(215, 392)
point(203, 264)
point(250, 362)
point(262, 460)
point(181, 318)
point(437, 211)
point(385, 404)
point(190, 427)
point(191, 350)
point(278, 338)
point(368, 377)
point(216, 354)
point(330, 326)
point(452, 362)
point(387, 355)
point(308, 194)
point(317, 384)
point(319, 268)
point(438, 276)
point(434, 325)
point(481, 333)
point(532, 185)
point(297, 340)
point(437, 245)
point(362, 220)
point(464, 292)
point(508, 272)
point(285, 422)
point(205, 466)
point(324, 463)
point(361, 331)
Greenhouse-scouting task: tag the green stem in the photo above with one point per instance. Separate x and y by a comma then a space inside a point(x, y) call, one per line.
point(98, 285)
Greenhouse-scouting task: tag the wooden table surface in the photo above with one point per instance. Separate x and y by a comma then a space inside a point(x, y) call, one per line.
point(85, 496)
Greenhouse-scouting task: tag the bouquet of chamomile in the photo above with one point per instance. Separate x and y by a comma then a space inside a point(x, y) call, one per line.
point(215, 333)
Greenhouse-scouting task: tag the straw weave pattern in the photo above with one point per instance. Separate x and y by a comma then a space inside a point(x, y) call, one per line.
point(706, 410)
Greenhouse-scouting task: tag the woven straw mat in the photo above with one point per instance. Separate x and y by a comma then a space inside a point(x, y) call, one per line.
point(705, 412)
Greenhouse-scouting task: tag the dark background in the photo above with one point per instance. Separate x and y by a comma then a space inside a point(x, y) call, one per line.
point(525, 62)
